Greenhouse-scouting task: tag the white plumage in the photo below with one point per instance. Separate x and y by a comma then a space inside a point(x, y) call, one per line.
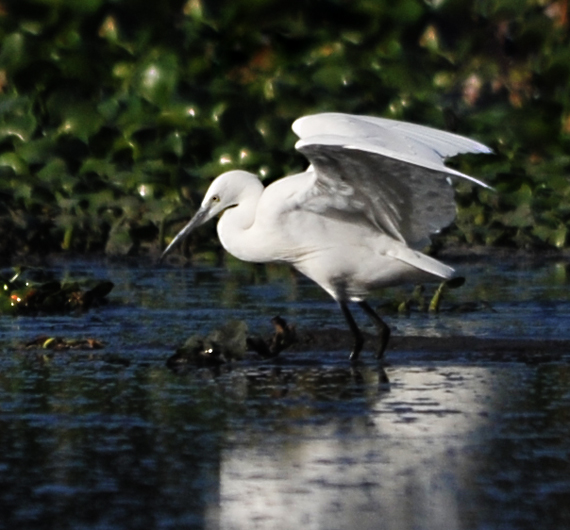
point(357, 218)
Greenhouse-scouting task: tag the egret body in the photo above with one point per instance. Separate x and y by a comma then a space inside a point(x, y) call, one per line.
point(356, 219)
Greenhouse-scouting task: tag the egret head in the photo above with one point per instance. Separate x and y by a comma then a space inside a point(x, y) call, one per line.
point(225, 192)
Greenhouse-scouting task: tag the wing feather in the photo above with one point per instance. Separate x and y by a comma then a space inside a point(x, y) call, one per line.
point(392, 174)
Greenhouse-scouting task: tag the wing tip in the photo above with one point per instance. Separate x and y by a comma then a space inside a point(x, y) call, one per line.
point(478, 148)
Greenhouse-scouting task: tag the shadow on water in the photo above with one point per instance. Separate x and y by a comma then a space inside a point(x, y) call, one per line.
point(113, 439)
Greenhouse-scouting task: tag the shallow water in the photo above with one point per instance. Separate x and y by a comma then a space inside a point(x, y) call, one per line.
point(113, 439)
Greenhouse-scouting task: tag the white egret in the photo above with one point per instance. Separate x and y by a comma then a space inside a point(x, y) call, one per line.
point(356, 219)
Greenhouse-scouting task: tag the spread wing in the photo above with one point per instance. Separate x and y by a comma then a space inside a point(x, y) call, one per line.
point(390, 173)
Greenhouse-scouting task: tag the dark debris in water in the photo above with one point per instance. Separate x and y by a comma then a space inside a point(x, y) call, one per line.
point(44, 349)
point(31, 291)
point(59, 343)
point(285, 335)
point(232, 343)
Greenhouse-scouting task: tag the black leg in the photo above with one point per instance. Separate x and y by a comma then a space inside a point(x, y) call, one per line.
point(358, 340)
point(383, 329)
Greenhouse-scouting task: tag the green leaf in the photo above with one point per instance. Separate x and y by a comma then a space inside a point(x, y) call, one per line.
point(15, 163)
point(55, 173)
point(103, 168)
point(20, 127)
point(179, 116)
point(174, 144)
point(16, 118)
point(13, 51)
point(81, 120)
point(37, 151)
point(521, 217)
point(554, 236)
point(157, 77)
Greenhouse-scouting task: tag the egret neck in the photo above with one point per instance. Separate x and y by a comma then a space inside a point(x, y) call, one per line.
point(236, 223)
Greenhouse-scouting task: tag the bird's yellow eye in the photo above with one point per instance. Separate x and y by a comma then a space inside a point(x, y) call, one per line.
point(215, 198)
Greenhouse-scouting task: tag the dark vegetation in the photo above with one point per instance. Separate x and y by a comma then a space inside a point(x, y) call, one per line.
point(30, 291)
point(116, 114)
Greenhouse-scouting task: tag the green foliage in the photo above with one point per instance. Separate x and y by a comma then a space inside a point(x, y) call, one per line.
point(115, 114)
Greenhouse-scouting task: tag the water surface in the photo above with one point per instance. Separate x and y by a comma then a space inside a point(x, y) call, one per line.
point(113, 439)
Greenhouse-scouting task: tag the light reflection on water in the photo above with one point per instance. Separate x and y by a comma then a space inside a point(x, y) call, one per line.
point(394, 466)
point(428, 454)
point(112, 439)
